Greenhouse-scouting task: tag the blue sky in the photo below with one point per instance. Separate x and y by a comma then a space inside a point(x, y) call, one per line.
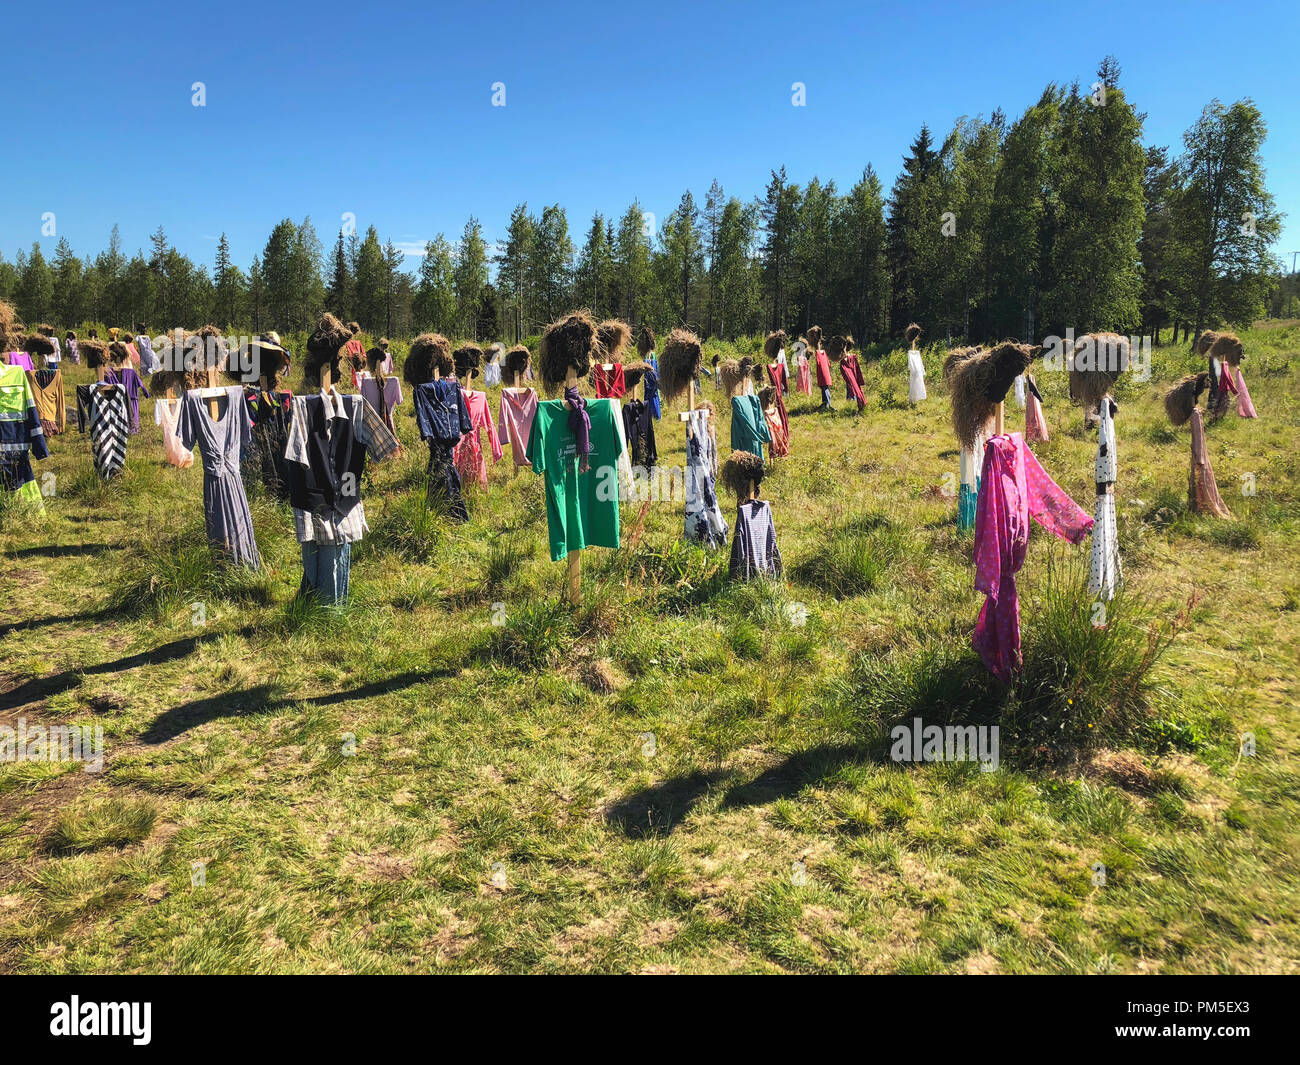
point(384, 110)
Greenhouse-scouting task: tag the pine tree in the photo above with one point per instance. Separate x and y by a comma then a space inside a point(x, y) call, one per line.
point(371, 284)
point(714, 205)
point(470, 276)
point(778, 212)
point(1099, 163)
point(435, 291)
point(915, 226)
point(36, 288)
point(632, 274)
point(683, 258)
point(514, 269)
point(593, 277)
point(339, 294)
point(551, 268)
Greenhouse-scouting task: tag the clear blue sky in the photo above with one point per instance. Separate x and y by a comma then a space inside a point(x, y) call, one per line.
point(385, 109)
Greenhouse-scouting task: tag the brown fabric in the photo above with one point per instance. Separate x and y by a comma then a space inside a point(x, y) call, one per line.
point(1202, 492)
point(51, 406)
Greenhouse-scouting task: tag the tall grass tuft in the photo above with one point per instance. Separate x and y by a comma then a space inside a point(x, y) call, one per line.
point(410, 528)
point(859, 558)
point(938, 679)
point(168, 575)
point(534, 636)
point(111, 822)
point(1089, 668)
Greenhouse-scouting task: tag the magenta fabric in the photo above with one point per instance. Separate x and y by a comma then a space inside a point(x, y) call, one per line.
point(20, 358)
point(1244, 406)
point(851, 371)
point(1013, 488)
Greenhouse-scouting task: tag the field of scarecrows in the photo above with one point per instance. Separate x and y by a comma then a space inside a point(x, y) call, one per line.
point(461, 772)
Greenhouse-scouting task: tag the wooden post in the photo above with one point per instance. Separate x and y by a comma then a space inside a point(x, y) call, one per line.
point(214, 404)
point(998, 420)
point(685, 415)
point(575, 578)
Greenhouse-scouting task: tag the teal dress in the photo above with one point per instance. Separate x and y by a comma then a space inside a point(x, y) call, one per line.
point(749, 430)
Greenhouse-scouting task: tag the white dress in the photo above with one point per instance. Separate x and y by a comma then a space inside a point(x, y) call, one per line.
point(1104, 574)
point(1020, 391)
point(915, 377)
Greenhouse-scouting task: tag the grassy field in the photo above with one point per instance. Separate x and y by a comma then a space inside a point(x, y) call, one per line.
point(678, 776)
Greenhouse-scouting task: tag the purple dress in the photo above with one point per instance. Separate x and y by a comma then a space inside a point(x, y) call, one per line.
point(130, 381)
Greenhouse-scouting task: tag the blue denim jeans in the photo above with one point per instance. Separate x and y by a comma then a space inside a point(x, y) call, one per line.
point(325, 571)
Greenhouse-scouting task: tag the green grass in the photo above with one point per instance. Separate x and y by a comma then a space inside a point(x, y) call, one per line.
point(459, 772)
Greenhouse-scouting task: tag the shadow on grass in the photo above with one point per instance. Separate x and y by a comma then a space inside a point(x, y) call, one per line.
point(659, 809)
point(265, 698)
point(61, 550)
point(39, 688)
point(28, 624)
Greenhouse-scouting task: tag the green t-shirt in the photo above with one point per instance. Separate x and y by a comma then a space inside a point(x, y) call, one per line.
point(581, 508)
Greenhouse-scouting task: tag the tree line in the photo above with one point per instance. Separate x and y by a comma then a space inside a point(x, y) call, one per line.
point(1062, 218)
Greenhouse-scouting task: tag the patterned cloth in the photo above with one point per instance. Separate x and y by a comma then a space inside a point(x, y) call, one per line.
point(704, 521)
point(134, 386)
point(468, 456)
point(1104, 571)
point(109, 420)
point(342, 520)
point(1013, 488)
